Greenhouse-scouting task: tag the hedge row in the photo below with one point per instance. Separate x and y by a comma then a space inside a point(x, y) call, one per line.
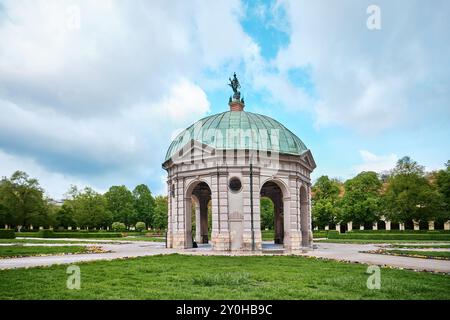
point(393, 236)
point(51, 234)
point(400, 231)
point(320, 234)
point(7, 234)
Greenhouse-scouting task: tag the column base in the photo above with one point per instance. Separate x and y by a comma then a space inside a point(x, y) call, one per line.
point(220, 241)
point(247, 241)
point(293, 241)
point(179, 241)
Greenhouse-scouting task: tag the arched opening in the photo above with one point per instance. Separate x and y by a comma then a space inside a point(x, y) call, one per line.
point(267, 218)
point(368, 225)
point(272, 198)
point(395, 226)
point(304, 217)
point(423, 225)
point(198, 197)
point(439, 224)
point(409, 225)
point(381, 225)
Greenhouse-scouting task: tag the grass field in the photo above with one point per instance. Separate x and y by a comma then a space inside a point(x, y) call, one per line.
point(421, 246)
point(382, 241)
point(38, 241)
point(75, 240)
point(420, 254)
point(23, 251)
point(221, 277)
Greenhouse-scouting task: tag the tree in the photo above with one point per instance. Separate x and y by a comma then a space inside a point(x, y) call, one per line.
point(325, 201)
point(161, 209)
point(22, 201)
point(361, 201)
point(140, 226)
point(118, 226)
point(267, 213)
point(144, 205)
point(409, 195)
point(443, 186)
point(120, 203)
point(90, 209)
point(65, 216)
point(407, 166)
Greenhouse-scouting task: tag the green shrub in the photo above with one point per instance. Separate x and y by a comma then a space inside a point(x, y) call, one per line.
point(389, 236)
point(118, 226)
point(45, 233)
point(400, 231)
point(320, 233)
point(7, 234)
point(75, 235)
point(333, 234)
point(140, 226)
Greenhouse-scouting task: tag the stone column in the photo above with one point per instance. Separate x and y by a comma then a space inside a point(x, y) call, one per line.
point(401, 226)
point(430, 225)
point(338, 227)
point(170, 211)
point(204, 219)
point(416, 225)
point(361, 227)
point(374, 226)
point(350, 226)
point(327, 227)
point(388, 224)
point(447, 225)
point(31, 227)
point(316, 228)
point(220, 234)
point(279, 221)
point(198, 233)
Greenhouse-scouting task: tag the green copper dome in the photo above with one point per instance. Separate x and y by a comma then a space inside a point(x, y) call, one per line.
point(240, 130)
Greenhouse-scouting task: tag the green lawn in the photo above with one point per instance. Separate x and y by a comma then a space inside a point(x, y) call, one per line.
point(143, 238)
point(221, 277)
point(76, 240)
point(422, 254)
point(421, 246)
point(25, 251)
point(380, 241)
point(21, 241)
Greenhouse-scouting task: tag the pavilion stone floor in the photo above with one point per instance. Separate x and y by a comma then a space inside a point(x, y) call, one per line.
point(128, 249)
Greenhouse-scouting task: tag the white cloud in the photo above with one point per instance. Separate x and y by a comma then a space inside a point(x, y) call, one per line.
point(377, 163)
point(370, 80)
point(55, 184)
point(99, 103)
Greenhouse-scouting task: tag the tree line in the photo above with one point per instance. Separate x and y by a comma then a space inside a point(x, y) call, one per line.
point(404, 194)
point(23, 204)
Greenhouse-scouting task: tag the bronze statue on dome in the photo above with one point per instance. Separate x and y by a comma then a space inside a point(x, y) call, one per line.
point(234, 84)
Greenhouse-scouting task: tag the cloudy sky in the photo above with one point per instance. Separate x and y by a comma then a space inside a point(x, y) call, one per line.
point(91, 92)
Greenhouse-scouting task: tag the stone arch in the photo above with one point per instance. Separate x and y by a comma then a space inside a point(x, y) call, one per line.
point(276, 190)
point(198, 192)
point(281, 184)
point(305, 217)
